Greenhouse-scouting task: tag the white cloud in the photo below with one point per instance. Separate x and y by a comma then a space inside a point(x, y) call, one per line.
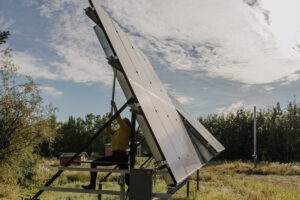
point(72, 39)
point(289, 79)
point(183, 99)
point(32, 66)
point(227, 39)
point(234, 107)
point(252, 42)
point(268, 88)
point(50, 91)
point(284, 24)
point(5, 24)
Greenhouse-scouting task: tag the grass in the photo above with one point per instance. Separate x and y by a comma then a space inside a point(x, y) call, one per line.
point(218, 181)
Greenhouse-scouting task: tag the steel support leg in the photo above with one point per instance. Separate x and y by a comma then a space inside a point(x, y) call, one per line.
point(188, 188)
point(132, 140)
point(197, 179)
point(122, 186)
point(100, 188)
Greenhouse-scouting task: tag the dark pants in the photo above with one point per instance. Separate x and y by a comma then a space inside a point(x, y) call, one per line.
point(117, 158)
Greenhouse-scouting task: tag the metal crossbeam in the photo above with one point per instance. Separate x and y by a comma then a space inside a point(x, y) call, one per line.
point(75, 190)
point(105, 170)
point(90, 191)
point(94, 170)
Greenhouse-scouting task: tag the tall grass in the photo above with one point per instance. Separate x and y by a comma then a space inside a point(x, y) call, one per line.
point(220, 180)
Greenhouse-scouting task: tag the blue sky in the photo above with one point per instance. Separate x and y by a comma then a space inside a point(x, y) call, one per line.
point(214, 56)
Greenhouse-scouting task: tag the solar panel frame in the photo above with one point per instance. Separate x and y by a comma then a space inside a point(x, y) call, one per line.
point(128, 94)
point(156, 105)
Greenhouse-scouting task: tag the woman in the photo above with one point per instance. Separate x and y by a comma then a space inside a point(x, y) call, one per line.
point(119, 143)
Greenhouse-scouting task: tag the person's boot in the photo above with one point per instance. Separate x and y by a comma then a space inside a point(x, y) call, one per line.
point(88, 187)
point(92, 184)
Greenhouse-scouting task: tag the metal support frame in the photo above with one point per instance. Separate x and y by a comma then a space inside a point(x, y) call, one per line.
point(198, 179)
point(104, 179)
point(132, 140)
point(121, 182)
point(122, 186)
point(132, 144)
point(131, 100)
point(188, 187)
point(172, 190)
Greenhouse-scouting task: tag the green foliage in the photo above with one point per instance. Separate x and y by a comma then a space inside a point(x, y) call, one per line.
point(74, 133)
point(278, 133)
point(3, 36)
point(24, 122)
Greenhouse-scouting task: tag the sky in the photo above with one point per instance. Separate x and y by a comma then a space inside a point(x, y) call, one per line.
point(214, 56)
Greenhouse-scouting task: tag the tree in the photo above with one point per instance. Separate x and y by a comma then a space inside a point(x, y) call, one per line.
point(24, 122)
point(3, 36)
point(74, 133)
point(278, 133)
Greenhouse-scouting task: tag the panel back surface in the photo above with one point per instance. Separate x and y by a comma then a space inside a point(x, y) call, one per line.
point(160, 113)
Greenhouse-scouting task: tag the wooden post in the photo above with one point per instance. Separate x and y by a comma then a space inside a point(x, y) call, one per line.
point(254, 138)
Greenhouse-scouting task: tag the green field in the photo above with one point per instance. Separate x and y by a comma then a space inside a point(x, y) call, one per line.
point(227, 180)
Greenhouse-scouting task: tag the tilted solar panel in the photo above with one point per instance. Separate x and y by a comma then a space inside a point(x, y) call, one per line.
point(163, 127)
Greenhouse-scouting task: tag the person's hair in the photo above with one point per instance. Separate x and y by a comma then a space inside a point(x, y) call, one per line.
point(127, 121)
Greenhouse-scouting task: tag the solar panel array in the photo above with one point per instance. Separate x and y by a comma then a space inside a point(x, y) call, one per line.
point(161, 123)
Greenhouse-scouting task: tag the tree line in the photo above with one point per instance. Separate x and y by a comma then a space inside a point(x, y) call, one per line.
point(29, 130)
point(278, 133)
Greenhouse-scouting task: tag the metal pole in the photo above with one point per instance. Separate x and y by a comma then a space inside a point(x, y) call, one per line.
point(100, 188)
point(131, 100)
point(144, 163)
point(102, 180)
point(132, 141)
point(188, 188)
point(113, 89)
point(198, 179)
point(122, 186)
point(254, 132)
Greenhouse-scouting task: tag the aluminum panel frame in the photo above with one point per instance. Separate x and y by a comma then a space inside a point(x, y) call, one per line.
point(184, 162)
point(159, 111)
point(128, 94)
point(166, 111)
point(144, 127)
